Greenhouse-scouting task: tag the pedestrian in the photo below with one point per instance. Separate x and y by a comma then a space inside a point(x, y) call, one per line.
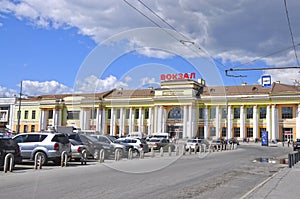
point(289, 141)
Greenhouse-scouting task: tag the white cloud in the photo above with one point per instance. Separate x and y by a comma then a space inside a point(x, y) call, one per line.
point(33, 88)
point(233, 30)
point(93, 84)
point(285, 76)
point(6, 92)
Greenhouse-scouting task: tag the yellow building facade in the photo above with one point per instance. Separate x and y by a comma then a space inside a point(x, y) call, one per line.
point(183, 108)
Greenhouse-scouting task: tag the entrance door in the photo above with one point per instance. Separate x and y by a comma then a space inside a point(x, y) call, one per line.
point(288, 134)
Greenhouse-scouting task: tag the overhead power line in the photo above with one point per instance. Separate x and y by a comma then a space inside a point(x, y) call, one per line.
point(291, 32)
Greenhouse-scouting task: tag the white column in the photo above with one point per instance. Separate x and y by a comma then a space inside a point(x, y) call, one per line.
point(205, 122)
point(190, 123)
point(103, 121)
point(268, 118)
point(298, 122)
point(43, 121)
point(164, 120)
point(54, 118)
point(185, 118)
point(151, 121)
point(84, 119)
point(155, 121)
point(255, 122)
point(194, 123)
point(131, 118)
point(218, 122)
point(242, 122)
point(159, 120)
point(229, 123)
point(141, 116)
point(112, 121)
point(98, 120)
point(122, 122)
point(275, 126)
point(11, 116)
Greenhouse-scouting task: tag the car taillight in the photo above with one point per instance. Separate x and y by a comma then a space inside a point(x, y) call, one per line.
point(197, 144)
point(155, 144)
point(56, 147)
point(141, 145)
point(79, 149)
point(18, 150)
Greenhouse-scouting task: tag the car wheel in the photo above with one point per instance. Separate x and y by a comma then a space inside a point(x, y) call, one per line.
point(43, 157)
point(135, 153)
point(96, 154)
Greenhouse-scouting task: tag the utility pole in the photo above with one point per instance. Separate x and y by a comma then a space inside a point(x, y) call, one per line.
point(19, 111)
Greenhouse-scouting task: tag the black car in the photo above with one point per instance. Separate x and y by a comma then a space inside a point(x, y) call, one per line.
point(8, 145)
point(92, 144)
point(296, 145)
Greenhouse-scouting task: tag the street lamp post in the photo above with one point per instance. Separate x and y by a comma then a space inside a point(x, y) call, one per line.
point(19, 111)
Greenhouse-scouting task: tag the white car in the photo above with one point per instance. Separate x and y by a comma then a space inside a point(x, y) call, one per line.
point(138, 144)
point(195, 144)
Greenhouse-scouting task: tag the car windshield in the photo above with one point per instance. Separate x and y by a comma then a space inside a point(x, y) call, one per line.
point(192, 141)
point(62, 138)
point(154, 140)
point(91, 138)
point(112, 138)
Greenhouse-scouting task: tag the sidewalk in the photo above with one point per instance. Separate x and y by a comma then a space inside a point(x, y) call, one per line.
point(284, 184)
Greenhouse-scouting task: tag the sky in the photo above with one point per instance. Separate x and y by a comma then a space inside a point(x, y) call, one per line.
point(65, 46)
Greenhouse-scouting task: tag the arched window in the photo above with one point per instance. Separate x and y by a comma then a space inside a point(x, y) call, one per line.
point(175, 113)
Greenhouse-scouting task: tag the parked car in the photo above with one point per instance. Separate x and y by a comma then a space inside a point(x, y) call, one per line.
point(233, 141)
point(51, 146)
point(195, 144)
point(92, 144)
point(124, 147)
point(216, 144)
point(158, 143)
point(138, 145)
point(77, 149)
point(296, 145)
point(8, 145)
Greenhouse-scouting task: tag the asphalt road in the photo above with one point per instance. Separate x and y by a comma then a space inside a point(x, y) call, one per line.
point(227, 174)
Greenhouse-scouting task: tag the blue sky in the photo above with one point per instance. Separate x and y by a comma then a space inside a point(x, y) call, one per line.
point(46, 44)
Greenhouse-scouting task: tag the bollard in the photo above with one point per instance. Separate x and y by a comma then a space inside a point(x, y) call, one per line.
point(190, 150)
point(204, 147)
point(38, 160)
point(196, 149)
point(130, 153)
point(152, 152)
point(142, 154)
point(290, 160)
point(161, 152)
point(183, 150)
point(170, 151)
point(83, 156)
point(200, 149)
point(117, 154)
point(177, 150)
point(64, 159)
point(9, 158)
point(101, 156)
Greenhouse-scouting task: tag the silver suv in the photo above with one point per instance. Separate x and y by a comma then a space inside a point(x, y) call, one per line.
point(50, 144)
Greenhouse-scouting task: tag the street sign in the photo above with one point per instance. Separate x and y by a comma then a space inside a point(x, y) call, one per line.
point(264, 138)
point(266, 81)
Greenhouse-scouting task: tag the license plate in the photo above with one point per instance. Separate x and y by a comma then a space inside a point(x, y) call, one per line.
point(9, 151)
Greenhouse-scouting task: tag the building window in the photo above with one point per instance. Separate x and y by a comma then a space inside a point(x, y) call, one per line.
point(212, 113)
point(26, 115)
point(126, 130)
point(249, 113)
point(175, 113)
point(287, 112)
point(146, 113)
point(236, 132)
point(224, 131)
point(127, 113)
point(263, 113)
point(50, 114)
point(108, 130)
point(93, 113)
point(118, 113)
point(73, 115)
point(109, 114)
point(236, 113)
point(224, 113)
point(32, 128)
point(137, 113)
point(33, 114)
point(201, 113)
point(212, 131)
point(136, 128)
point(249, 132)
point(25, 128)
